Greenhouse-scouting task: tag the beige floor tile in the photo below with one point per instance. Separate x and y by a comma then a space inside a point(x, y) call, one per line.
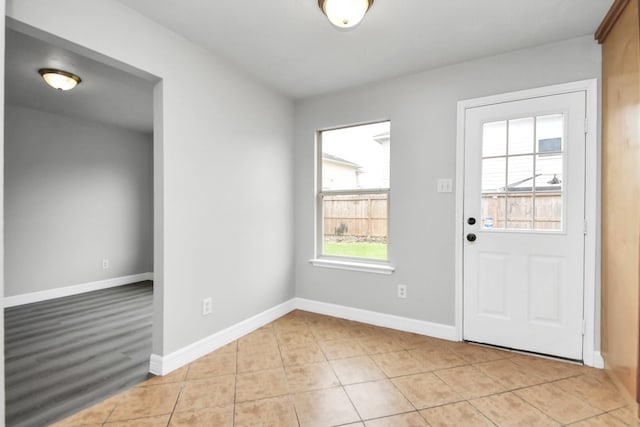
point(472, 353)
point(381, 344)
point(412, 419)
point(258, 358)
point(158, 421)
point(96, 414)
point(434, 358)
point(397, 363)
point(507, 409)
point(277, 411)
point(604, 420)
point(141, 402)
point(261, 337)
point(470, 382)
point(555, 402)
point(626, 415)
point(597, 391)
point(363, 331)
point(304, 355)
point(211, 365)
point(76, 425)
point(509, 374)
point(289, 322)
point(341, 349)
point(208, 393)
point(356, 370)
point(311, 377)
point(176, 376)
point(408, 340)
point(426, 373)
point(331, 333)
point(431, 342)
point(548, 369)
point(454, 415)
point(295, 337)
point(326, 407)
point(260, 385)
point(426, 390)
point(377, 399)
point(221, 416)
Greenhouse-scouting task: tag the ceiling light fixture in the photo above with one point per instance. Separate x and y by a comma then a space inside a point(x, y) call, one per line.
point(345, 13)
point(58, 79)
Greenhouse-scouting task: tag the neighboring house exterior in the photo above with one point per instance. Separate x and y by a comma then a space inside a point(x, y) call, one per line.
point(339, 173)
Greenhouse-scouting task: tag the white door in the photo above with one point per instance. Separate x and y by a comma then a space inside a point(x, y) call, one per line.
point(524, 197)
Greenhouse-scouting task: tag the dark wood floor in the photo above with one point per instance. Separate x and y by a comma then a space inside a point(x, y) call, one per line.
point(65, 354)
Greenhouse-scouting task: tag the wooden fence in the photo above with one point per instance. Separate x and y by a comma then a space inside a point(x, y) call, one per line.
point(365, 216)
point(359, 216)
point(518, 210)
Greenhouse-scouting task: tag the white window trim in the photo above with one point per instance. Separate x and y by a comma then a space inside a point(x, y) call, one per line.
point(366, 265)
point(353, 265)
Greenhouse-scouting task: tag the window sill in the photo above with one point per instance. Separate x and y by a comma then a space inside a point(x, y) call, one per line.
point(365, 267)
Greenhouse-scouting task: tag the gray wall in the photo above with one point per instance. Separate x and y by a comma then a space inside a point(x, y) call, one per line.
point(76, 192)
point(223, 165)
point(422, 110)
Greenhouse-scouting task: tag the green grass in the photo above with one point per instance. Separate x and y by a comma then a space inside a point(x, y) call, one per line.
point(356, 249)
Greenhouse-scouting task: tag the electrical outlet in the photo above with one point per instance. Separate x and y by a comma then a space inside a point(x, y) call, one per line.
point(445, 185)
point(105, 264)
point(402, 291)
point(207, 306)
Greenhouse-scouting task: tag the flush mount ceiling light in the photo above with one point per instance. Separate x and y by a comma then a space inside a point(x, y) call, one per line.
point(58, 79)
point(345, 13)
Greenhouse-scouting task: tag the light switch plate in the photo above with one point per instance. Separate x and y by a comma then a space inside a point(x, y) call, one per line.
point(445, 185)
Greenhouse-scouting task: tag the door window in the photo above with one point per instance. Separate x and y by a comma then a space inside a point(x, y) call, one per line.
point(522, 174)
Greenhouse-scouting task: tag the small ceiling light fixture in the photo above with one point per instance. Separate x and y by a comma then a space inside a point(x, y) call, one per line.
point(345, 13)
point(58, 79)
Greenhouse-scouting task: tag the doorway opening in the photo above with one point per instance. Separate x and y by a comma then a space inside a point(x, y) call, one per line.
point(79, 228)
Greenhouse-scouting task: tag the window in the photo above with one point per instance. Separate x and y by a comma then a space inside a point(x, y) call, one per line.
point(353, 192)
point(522, 174)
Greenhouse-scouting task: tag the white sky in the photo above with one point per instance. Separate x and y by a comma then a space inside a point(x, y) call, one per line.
point(356, 144)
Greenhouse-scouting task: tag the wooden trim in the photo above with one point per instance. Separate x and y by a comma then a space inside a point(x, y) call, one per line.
point(609, 21)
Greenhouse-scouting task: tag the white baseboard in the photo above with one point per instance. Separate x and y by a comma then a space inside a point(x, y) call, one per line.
point(162, 365)
point(422, 327)
point(66, 291)
point(597, 361)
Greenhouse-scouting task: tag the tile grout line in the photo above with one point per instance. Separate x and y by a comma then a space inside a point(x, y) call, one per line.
point(286, 379)
point(235, 385)
point(175, 404)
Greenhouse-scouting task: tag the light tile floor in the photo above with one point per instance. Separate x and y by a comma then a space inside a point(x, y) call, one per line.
point(306, 369)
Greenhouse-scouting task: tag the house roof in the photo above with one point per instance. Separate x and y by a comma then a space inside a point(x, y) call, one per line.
point(336, 159)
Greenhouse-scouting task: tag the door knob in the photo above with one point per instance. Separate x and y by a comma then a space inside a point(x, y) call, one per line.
point(471, 221)
point(471, 237)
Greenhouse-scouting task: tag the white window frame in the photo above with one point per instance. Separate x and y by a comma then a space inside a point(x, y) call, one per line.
point(368, 265)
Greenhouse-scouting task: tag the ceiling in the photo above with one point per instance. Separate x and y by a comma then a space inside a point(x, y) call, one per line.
point(290, 45)
point(106, 94)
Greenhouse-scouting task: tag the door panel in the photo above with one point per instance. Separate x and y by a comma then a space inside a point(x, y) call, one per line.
point(524, 179)
point(492, 285)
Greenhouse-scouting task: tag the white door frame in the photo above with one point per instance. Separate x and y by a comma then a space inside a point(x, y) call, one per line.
point(591, 355)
